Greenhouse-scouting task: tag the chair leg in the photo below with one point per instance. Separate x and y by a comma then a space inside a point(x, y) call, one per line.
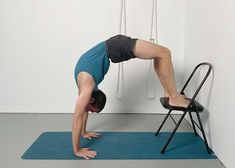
point(203, 133)
point(172, 134)
point(168, 114)
point(195, 132)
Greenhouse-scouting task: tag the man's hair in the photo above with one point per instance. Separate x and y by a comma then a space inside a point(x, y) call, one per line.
point(100, 99)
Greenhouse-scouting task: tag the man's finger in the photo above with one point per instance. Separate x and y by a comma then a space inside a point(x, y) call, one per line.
point(92, 156)
point(93, 153)
point(87, 158)
point(95, 136)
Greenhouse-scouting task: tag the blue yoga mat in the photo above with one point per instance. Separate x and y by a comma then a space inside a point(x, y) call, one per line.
point(120, 145)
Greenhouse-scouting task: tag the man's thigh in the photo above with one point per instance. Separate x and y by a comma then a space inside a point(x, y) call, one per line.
point(147, 50)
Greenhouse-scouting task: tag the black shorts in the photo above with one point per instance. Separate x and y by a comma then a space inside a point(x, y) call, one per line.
point(120, 48)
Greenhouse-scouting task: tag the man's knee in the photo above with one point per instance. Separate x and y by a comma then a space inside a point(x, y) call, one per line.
point(164, 53)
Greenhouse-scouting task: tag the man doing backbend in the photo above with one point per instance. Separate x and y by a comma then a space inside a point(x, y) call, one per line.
point(91, 69)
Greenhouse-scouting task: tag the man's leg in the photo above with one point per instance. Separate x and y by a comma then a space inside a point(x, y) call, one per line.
point(163, 67)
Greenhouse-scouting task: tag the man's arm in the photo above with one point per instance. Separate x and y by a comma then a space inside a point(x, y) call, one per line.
point(84, 121)
point(85, 134)
point(81, 104)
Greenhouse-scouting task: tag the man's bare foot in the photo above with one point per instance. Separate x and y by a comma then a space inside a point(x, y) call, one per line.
point(166, 94)
point(178, 100)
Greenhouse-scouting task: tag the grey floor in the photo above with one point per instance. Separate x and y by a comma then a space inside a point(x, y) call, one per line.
point(18, 131)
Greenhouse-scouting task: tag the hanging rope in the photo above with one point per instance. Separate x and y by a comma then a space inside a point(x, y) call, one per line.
point(153, 39)
point(120, 89)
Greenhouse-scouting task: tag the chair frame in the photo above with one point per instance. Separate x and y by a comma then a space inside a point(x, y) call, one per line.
point(187, 110)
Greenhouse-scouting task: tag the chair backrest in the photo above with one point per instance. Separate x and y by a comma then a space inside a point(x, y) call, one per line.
point(202, 82)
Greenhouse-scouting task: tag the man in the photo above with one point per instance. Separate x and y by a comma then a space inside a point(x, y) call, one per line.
point(94, 64)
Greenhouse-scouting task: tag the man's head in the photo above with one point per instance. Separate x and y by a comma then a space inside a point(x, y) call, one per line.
point(97, 102)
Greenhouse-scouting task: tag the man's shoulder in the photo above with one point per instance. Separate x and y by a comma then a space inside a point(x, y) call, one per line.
point(86, 81)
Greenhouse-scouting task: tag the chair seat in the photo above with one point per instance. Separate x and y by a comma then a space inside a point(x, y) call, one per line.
point(195, 107)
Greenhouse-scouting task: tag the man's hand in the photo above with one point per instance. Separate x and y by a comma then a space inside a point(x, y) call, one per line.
point(90, 135)
point(86, 153)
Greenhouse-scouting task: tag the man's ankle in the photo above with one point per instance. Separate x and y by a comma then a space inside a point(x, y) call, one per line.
point(174, 95)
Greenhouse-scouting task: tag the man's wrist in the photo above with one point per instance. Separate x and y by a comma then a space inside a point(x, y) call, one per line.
point(83, 133)
point(76, 151)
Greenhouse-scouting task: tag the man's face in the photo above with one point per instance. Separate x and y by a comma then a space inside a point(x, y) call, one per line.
point(91, 106)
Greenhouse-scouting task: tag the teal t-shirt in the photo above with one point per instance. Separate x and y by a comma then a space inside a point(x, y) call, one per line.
point(95, 62)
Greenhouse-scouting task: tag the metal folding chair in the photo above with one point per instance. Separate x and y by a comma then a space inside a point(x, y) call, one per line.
point(193, 106)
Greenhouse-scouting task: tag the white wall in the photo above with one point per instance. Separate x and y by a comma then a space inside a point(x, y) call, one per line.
point(40, 42)
point(210, 36)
